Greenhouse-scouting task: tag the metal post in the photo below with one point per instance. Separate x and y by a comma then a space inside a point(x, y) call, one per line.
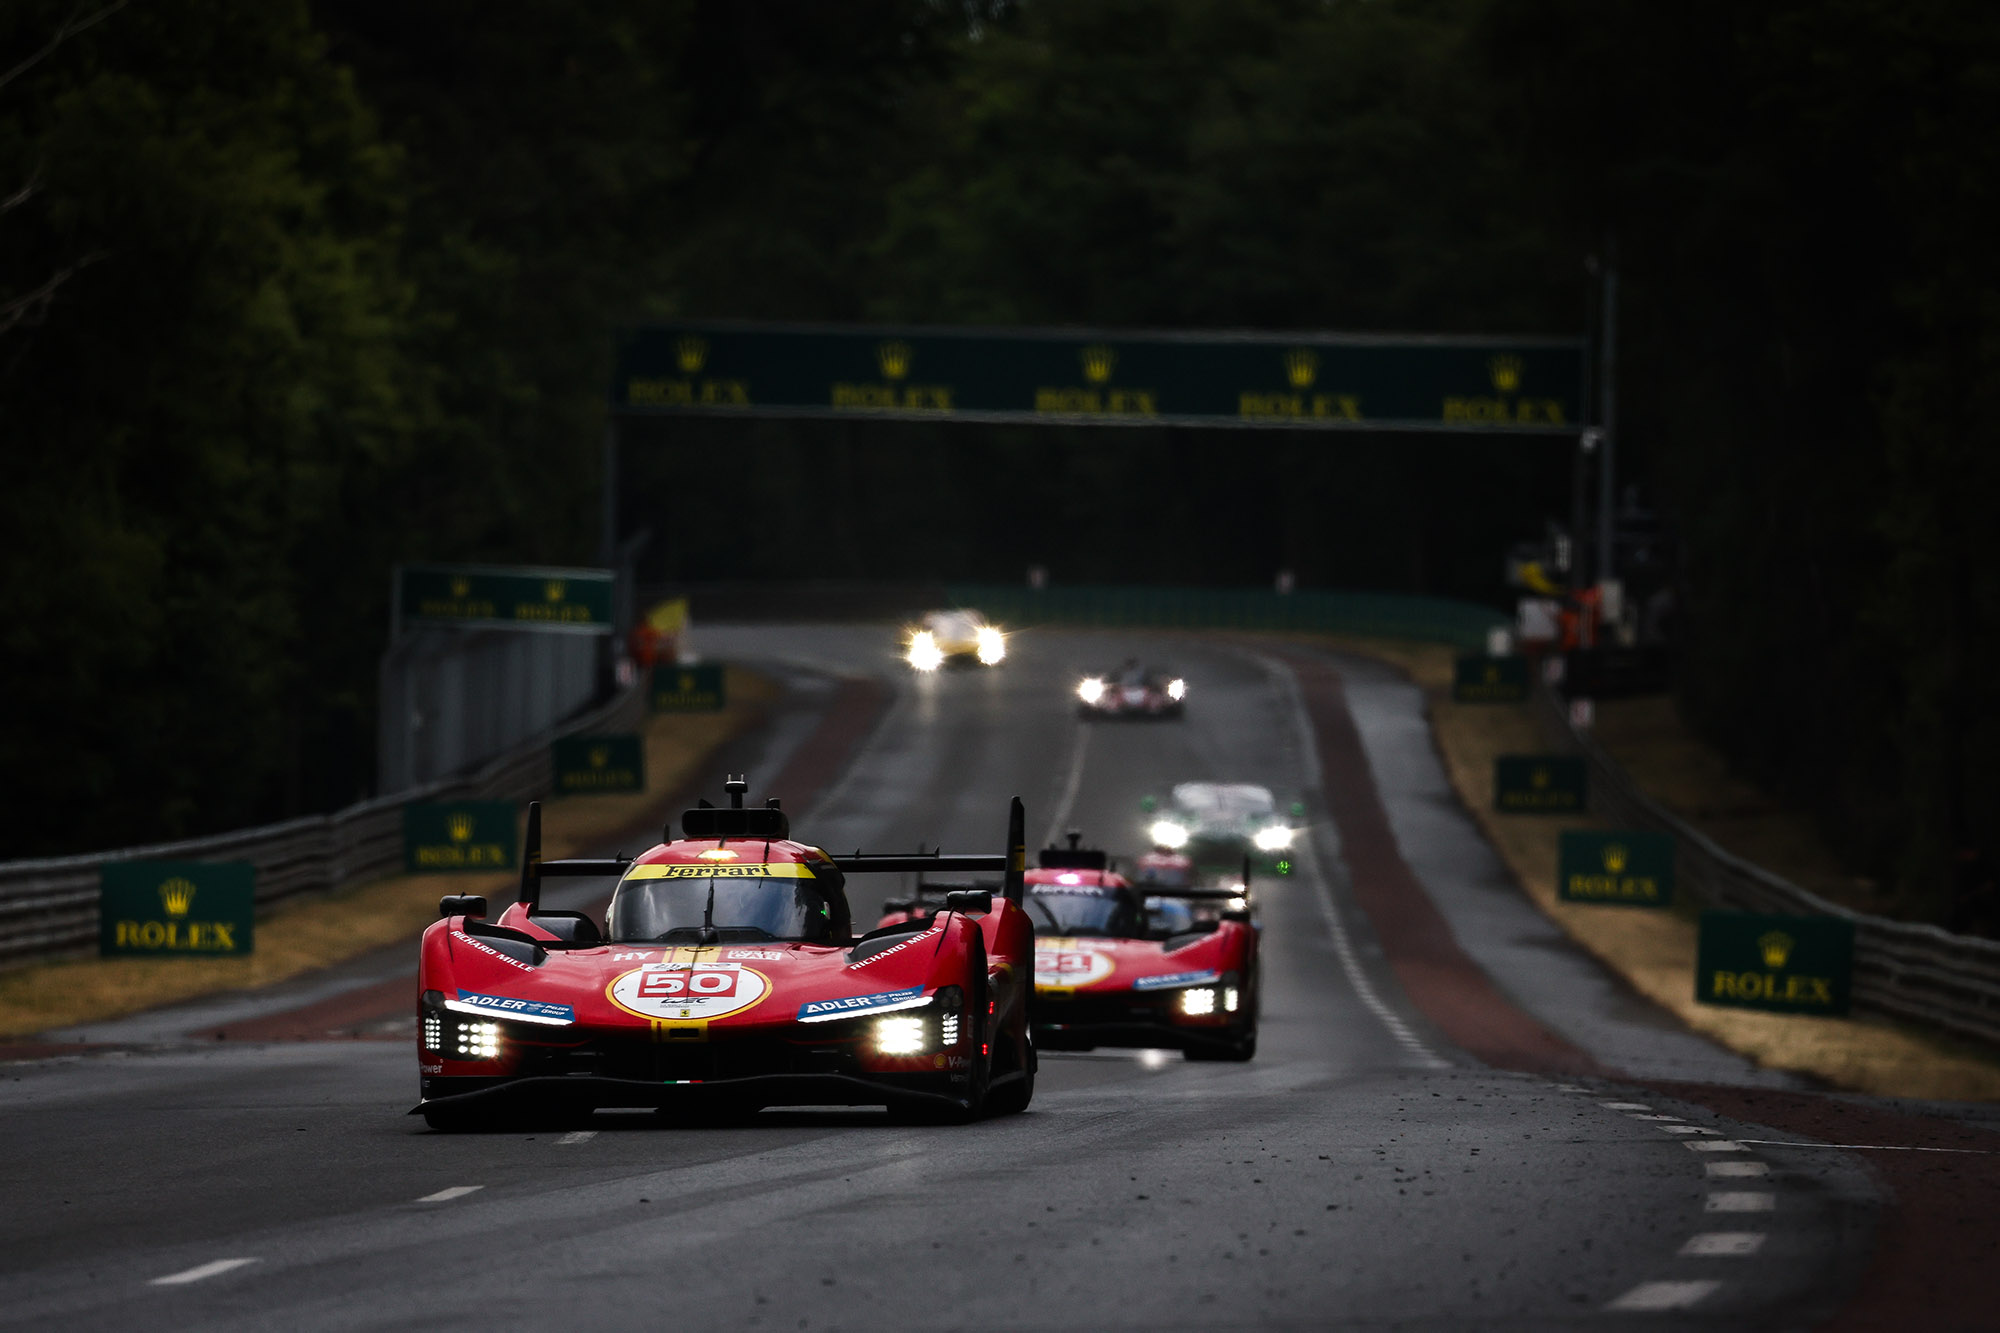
point(1607, 471)
point(607, 544)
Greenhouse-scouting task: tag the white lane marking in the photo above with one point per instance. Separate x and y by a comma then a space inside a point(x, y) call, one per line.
point(1656, 1117)
point(1570, 1087)
point(1722, 1244)
point(1663, 1296)
point(1725, 1170)
point(1741, 1201)
point(1625, 1106)
point(577, 1136)
point(1683, 1129)
point(1071, 785)
point(1870, 1147)
point(1287, 685)
point(214, 1268)
point(447, 1195)
point(1713, 1145)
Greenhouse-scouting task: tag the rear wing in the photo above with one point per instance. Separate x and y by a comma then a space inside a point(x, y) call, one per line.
point(709, 822)
point(1202, 893)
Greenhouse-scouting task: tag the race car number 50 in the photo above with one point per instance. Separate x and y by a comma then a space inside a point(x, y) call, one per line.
point(676, 990)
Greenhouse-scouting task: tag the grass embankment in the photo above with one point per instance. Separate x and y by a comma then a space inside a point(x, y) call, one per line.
point(300, 934)
point(1654, 950)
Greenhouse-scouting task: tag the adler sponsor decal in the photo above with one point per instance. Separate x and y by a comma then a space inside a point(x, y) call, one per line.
point(490, 951)
point(1176, 979)
point(532, 1011)
point(819, 1011)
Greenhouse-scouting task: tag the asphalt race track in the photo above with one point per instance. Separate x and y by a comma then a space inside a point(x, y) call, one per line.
point(1364, 1172)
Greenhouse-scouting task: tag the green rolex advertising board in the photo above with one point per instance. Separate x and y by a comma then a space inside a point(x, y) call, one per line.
point(567, 601)
point(1630, 868)
point(451, 836)
point(596, 765)
point(687, 689)
point(1789, 964)
point(1539, 784)
point(1490, 680)
point(186, 909)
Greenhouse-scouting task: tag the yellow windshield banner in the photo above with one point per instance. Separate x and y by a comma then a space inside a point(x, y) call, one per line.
point(770, 870)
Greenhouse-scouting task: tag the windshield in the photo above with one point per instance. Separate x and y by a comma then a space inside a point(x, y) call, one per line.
point(672, 911)
point(1061, 910)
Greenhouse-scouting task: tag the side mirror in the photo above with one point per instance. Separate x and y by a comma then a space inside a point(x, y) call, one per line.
point(969, 900)
point(462, 904)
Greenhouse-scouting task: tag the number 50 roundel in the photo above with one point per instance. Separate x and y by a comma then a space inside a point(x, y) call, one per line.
point(676, 990)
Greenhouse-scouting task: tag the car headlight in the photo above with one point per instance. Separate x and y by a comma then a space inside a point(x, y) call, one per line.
point(1177, 689)
point(1273, 838)
point(899, 1035)
point(1198, 1001)
point(1169, 834)
point(924, 653)
point(477, 1041)
point(1090, 689)
point(992, 646)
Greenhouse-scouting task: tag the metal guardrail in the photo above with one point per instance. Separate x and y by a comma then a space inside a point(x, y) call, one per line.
point(50, 906)
point(1307, 611)
point(1901, 969)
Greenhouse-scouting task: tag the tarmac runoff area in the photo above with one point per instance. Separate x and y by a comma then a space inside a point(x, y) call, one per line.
point(1455, 1120)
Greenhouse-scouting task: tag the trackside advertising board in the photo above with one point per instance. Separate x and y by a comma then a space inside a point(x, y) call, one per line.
point(1788, 964)
point(451, 836)
point(687, 689)
point(1490, 680)
point(1629, 868)
point(186, 909)
point(1315, 381)
point(598, 765)
point(567, 601)
point(1539, 784)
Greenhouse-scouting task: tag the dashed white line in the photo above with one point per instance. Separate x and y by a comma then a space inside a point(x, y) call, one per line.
point(1725, 1170)
point(1683, 1129)
point(1625, 1106)
point(1656, 1116)
point(447, 1195)
point(1869, 1147)
point(1741, 1201)
point(1570, 1087)
point(1071, 785)
point(1649, 1296)
point(1723, 1245)
point(1343, 947)
point(577, 1136)
point(1713, 1145)
point(213, 1268)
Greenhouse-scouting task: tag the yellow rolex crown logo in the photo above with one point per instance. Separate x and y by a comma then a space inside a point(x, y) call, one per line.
point(461, 586)
point(600, 755)
point(1301, 366)
point(461, 827)
point(690, 353)
point(1539, 778)
point(1098, 363)
point(553, 590)
point(1615, 857)
point(1492, 675)
point(894, 358)
point(1776, 948)
point(177, 896)
point(1506, 371)
point(687, 682)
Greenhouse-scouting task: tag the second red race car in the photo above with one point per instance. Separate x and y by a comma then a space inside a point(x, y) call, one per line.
point(1112, 971)
point(725, 979)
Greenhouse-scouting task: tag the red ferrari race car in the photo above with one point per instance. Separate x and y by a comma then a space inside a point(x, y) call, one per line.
point(1132, 691)
point(726, 979)
point(1169, 964)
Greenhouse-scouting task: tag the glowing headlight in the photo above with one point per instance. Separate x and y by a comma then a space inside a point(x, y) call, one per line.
point(899, 1036)
point(1169, 834)
point(948, 1030)
point(478, 1041)
point(1090, 690)
point(1236, 904)
point(1273, 838)
point(1177, 689)
point(924, 653)
point(433, 1032)
point(1199, 1000)
point(992, 646)
point(1230, 999)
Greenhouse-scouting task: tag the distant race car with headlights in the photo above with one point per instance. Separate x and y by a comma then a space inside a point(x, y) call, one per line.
point(1217, 824)
point(724, 979)
point(1132, 691)
point(948, 638)
point(1167, 965)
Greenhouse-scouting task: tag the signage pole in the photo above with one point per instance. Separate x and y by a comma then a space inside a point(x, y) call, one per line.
point(1607, 475)
point(607, 546)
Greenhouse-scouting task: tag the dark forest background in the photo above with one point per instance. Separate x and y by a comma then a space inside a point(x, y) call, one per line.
point(291, 290)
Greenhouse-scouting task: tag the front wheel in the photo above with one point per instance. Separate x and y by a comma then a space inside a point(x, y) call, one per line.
point(1012, 1097)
